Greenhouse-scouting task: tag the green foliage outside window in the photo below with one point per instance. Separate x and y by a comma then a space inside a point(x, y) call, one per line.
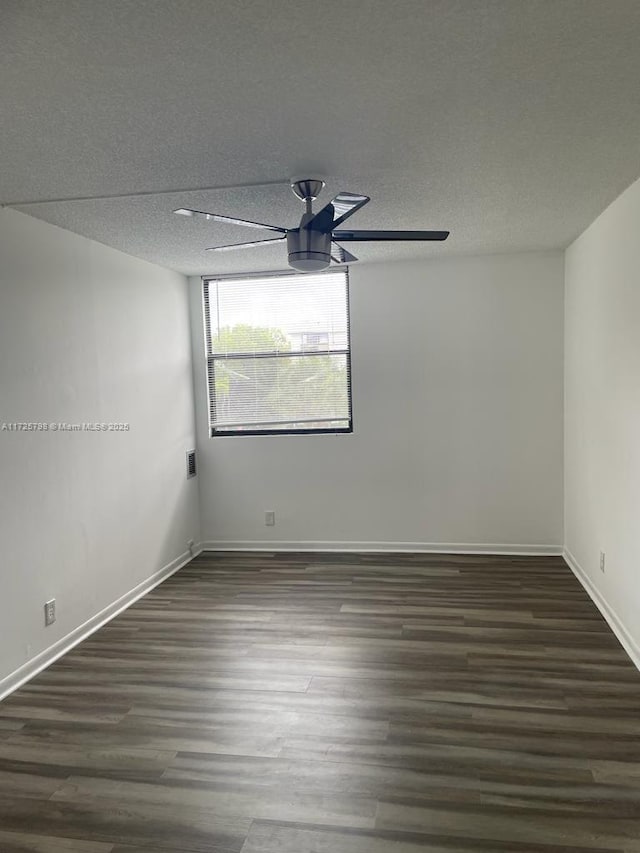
point(285, 387)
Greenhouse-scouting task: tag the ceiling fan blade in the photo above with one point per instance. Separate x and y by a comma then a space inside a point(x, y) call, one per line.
point(216, 217)
point(232, 246)
point(373, 236)
point(338, 209)
point(340, 255)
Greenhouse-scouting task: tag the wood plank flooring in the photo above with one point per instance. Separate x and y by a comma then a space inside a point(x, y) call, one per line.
point(297, 703)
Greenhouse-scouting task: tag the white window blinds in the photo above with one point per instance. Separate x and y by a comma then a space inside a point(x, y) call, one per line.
point(278, 353)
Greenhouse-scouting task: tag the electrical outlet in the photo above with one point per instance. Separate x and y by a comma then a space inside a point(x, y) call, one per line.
point(50, 612)
point(602, 561)
point(270, 518)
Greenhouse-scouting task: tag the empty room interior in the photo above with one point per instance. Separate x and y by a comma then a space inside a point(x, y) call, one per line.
point(320, 426)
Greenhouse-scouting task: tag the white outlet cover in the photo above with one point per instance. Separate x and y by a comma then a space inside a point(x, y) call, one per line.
point(49, 612)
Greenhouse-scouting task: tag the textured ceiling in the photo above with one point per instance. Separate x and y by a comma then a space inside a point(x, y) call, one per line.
point(512, 123)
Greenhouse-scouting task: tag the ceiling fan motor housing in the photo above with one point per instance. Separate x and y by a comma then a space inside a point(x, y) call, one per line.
point(309, 249)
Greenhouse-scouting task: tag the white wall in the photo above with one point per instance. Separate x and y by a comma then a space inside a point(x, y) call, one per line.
point(602, 441)
point(87, 334)
point(457, 399)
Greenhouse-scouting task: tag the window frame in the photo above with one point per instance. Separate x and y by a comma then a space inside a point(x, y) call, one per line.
point(212, 357)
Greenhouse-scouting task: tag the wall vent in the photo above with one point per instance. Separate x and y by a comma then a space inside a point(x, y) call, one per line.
point(191, 464)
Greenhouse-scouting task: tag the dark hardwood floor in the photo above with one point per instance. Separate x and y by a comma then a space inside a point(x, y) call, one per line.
point(325, 703)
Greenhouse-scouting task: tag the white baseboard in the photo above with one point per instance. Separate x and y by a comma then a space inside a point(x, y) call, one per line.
point(611, 617)
point(387, 547)
point(45, 658)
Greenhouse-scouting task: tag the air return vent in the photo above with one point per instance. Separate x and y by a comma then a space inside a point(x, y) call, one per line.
point(191, 464)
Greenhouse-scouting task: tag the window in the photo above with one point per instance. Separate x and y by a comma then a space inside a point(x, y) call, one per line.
point(278, 353)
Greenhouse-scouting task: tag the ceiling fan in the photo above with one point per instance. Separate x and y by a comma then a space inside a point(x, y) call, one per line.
point(316, 241)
